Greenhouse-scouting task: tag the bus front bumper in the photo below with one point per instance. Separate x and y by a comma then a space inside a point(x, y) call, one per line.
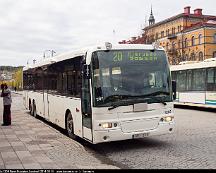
point(117, 134)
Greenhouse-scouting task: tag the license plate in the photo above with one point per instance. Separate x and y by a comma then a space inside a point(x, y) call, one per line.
point(142, 135)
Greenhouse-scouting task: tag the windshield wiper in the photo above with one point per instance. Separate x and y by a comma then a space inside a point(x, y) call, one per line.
point(112, 97)
point(113, 107)
point(142, 97)
point(118, 105)
point(155, 96)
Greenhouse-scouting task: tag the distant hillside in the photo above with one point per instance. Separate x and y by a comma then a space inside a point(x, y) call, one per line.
point(10, 68)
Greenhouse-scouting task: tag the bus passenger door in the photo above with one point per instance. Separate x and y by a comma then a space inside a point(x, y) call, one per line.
point(46, 105)
point(86, 106)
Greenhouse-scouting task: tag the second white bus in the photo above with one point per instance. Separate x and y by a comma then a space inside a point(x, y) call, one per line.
point(196, 83)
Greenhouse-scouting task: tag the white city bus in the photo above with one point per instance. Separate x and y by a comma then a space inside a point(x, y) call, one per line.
point(104, 93)
point(196, 83)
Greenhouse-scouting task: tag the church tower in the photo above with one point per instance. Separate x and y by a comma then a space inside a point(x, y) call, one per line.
point(151, 18)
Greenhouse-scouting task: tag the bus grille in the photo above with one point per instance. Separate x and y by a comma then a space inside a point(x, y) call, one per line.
point(139, 125)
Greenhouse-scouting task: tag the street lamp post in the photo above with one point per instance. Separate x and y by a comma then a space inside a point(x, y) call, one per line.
point(52, 53)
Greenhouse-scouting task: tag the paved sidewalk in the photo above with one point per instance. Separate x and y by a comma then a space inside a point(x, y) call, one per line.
point(31, 144)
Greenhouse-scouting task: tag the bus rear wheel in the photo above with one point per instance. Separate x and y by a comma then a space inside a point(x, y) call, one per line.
point(70, 127)
point(34, 111)
point(30, 108)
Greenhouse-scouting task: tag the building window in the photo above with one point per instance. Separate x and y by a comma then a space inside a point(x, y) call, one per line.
point(214, 54)
point(200, 39)
point(173, 31)
point(173, 45)
point(185, 58)
point(185, 44)
point(193, 41)
point(162, 34)
point(167, 46)
point(192, 57)
point(156, 37)
point(179, 44)
point(215, 38)
point(200, 56)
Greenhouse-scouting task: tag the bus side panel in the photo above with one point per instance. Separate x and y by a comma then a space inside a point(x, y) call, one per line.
point(58, 105)
point(195, 97)
point(211, 98)
point(25, 99)
point(38, 98)
point(30, 96)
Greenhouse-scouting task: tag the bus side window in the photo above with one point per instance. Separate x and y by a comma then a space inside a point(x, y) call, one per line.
point(210, 80)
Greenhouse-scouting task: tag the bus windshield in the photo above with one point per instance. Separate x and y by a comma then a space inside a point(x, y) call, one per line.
point(124, 77)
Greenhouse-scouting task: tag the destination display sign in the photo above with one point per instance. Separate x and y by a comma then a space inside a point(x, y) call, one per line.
point(131, 57)
point(135, 56)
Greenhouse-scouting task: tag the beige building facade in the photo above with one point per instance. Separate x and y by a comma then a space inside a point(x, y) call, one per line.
point(185, 37)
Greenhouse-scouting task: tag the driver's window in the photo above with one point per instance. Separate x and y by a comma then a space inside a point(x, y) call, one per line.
point(152, 79)
point(106, 77)
point(116, 78)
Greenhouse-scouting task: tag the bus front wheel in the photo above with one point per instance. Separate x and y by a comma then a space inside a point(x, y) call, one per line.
point(70, 127)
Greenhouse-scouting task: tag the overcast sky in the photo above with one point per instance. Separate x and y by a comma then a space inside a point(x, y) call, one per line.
point(29, 27)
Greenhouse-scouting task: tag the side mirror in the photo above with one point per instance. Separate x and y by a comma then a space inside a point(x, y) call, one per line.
point(174, 89)
point(86, 71)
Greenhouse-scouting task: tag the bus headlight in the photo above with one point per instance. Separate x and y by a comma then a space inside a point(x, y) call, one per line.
point(106, 125)
point(167, 119)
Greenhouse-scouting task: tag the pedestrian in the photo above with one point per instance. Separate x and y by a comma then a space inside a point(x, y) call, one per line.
point(6, 94)
point(15, 89)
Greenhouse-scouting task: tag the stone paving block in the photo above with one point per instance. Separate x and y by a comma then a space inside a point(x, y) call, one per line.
point(17, 144)
point(8, 131)
point(85, 167)
point(2, 167)
point(49, 166)
point(105, 167)
point(43, 159)
point(25, 139)
point(67, 166)
point(13, 139)
point(2, 136)
point(33, 147)
point(22, 154)
point(36, 152)
point(10, 136)
point(9, 148)
point(12, 161)
point(20, 132)
point(5, 144)
point(21, 136)
point(14, 166)
point(8, 155)
point(28, 160)
point(32, 166)
point(20, 148)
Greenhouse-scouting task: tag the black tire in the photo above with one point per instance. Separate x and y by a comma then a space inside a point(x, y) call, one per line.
point(69, 126)
point(30, 108)
point(34, 112)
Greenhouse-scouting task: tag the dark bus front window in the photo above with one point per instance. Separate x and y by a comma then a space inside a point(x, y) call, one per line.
point(133, 75)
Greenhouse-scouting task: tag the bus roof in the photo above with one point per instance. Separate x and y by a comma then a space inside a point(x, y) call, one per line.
point(82, 52)
point(195, 65)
